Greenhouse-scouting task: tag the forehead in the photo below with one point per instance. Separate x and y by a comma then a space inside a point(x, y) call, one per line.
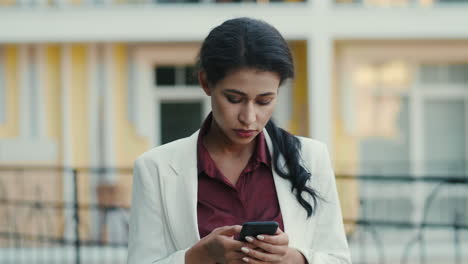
point(251, 81)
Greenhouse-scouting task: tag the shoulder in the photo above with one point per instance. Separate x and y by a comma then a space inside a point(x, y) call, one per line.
point(312, 148)
point(316, 159)
point(165, 153)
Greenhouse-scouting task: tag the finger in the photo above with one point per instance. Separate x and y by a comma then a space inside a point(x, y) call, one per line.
point(267, 247)
point(231, 244)
point(280, 239)
point(278, 231)
point(228, 230)
point(253, 261)
point(260, 256)
point(234, 256)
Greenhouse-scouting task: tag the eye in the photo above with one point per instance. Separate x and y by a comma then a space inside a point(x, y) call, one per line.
point(264, 102)
point(233, 99)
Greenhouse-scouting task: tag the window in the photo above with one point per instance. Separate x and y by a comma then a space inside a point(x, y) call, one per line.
point(410, 119)
point(180, 119)
point(173, 76)
point(181, 103)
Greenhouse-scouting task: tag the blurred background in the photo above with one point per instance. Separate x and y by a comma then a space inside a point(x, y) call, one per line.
point(88, 85)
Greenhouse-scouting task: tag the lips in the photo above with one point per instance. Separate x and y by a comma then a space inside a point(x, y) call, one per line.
point(245, 133)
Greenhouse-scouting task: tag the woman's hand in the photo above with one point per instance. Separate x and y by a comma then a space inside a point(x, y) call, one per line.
point(218, 247)
point(271, 249)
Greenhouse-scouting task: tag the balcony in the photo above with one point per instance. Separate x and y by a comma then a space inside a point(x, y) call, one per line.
point(121, 3)
point(398, 218)
point(402, 3)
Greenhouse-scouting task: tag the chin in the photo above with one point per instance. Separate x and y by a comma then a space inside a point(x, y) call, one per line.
point(242, 141)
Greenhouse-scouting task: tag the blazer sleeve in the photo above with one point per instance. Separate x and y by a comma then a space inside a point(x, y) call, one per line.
point(148, 241)
point(329, 244)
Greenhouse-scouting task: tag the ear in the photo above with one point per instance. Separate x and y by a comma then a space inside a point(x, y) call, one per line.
point(204, 82)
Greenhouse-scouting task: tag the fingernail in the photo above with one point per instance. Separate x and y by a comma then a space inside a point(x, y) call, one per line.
point(249, 239)
point(260, 237)
point(245, 259)
point(245, 250)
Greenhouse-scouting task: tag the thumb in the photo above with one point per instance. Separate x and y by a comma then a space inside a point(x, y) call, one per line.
point(230, 231)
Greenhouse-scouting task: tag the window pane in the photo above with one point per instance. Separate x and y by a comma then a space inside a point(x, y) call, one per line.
point(384, 209)
point(164, 75)
point(179, 120)
point(450, 205)
point(444, 140)
point(388, 154)
point(444, 74)
point(190, 76)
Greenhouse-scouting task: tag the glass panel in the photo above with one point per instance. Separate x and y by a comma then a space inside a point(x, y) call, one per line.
point(450, 206)
point(388, 155)
point(384, 209)
point(164, 75)
point(444, 141)
point(179, 120)
point(458, 73)
point(444, 74)
point(190, 76)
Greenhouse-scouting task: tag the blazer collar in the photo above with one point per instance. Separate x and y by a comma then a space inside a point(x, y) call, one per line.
point(180, 194)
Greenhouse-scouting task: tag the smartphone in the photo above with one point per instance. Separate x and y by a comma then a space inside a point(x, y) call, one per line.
point(258, 228)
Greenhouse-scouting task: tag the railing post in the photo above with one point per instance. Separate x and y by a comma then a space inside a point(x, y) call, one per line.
point(76, 216)
point(456, 238)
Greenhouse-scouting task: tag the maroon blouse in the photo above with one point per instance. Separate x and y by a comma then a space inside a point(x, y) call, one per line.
point(253, 198)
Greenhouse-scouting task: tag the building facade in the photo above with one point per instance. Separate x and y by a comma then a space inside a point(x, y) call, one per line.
point(93, 84)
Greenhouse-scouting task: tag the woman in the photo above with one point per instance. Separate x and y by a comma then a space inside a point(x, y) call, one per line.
point(191, 196)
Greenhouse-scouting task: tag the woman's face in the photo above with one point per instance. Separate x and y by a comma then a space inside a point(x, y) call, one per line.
point(242, 103)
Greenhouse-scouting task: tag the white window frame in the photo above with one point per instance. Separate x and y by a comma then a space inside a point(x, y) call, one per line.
point(144, 57)
point(415, 55)
point(177, 93)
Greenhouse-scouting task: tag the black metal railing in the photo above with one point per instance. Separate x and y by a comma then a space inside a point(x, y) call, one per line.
point(80, 215)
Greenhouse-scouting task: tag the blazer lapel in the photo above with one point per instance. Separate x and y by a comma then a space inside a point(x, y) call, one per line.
point(180, 193)
point(290, 208)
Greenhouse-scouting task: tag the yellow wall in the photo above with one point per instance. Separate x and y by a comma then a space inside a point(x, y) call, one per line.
point(79, 124)
point(345, 148)
point(79, 106)
point(10, 129)
point(346, 153)
point(7, 2)
point(52, 91)
point(299, 124)
point(53, 114)
point(128, 144)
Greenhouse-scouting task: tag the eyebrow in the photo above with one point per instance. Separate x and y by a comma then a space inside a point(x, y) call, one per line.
point(244, 94)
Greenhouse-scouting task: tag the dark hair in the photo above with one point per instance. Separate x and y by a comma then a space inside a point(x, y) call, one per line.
point(249, 43)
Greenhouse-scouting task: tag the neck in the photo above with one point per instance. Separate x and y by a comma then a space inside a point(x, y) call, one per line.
point(216, 142)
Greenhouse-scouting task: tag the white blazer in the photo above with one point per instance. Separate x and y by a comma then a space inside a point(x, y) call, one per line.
point(163, 221)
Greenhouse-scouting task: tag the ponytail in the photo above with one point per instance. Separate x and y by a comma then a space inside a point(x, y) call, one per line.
point(288, 147)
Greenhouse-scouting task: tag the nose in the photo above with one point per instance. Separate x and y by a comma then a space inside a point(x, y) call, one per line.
point(247, 115)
